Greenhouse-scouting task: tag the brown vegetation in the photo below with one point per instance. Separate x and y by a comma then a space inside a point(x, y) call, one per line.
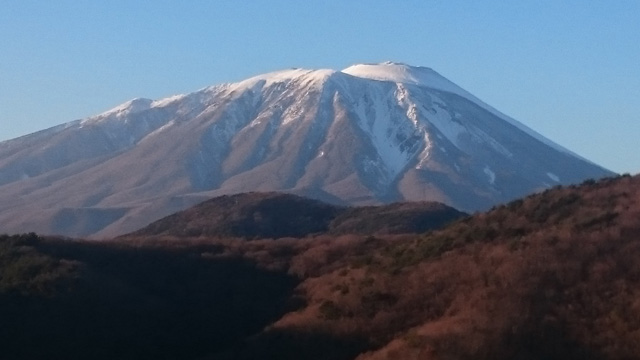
point(552, 276)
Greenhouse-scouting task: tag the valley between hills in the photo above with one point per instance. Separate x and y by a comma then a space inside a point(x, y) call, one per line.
point(553, 275)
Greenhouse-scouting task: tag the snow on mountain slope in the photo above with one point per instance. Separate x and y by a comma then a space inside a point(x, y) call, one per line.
point(426, 77)
point(367, 134)
point(404, 74)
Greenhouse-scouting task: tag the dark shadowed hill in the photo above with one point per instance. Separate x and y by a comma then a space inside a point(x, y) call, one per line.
point(276, 215)
point(552, 276)
point(87, 300)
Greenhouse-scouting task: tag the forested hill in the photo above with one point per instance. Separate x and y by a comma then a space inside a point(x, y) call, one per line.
point(257, 215)
point(551, 276)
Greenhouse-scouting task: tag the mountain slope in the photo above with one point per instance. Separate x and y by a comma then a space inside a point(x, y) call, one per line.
point(365, 135)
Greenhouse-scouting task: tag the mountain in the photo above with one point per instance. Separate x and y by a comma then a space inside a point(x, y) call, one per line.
point(276, 215)
point(550, 276)
point(371, 133)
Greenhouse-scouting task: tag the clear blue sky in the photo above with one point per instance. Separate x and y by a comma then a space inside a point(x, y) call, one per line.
point(568, 69)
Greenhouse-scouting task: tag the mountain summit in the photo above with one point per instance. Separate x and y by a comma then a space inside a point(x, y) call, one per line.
point(371, 133)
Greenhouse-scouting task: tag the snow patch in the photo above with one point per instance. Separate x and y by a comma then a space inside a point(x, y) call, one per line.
point(402, 73)
point(130, 107)
point(451, 130)
point(167, 101)
point(482, 137)
point(553, 177)
point(307, 77)
point(376, 117)
point(440, 118)
point(424, 155)
point(160, 129)
point(490, 174)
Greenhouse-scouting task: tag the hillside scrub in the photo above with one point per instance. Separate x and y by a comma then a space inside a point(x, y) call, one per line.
point(79, 300)
point(551, 276)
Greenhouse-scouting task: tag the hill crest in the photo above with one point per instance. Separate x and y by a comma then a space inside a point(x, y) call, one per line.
point(278, 215)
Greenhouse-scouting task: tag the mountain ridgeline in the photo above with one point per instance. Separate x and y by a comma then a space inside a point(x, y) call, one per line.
point(368, 134)
point(550, 276)
point(276, 215)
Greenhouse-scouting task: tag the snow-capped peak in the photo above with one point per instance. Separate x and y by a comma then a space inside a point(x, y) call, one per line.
point(168, 100)
point(310, 76)
point(402, 73)
point(395, 72)
point(130, 107)
point(427, 77)
point(407, 74)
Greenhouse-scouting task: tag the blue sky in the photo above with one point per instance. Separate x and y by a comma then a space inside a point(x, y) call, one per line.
point(568, 69)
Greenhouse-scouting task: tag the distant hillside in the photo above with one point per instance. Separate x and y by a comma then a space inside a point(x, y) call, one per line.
point(247, 215)
point(396, 218)
point(276, 215)
point(552, 276)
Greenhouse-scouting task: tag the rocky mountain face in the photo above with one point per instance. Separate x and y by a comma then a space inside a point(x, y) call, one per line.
point(365, 135)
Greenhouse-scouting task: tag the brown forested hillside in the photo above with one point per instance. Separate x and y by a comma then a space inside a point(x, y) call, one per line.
point(552, 276)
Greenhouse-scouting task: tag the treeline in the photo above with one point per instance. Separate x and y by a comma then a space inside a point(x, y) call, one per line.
point(80, 300)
